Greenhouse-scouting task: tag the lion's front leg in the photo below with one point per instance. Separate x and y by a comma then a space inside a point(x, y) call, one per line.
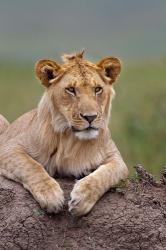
point(88, 190)
point(17, 165)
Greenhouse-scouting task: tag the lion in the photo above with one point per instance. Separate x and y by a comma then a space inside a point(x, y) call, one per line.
point(66, 134)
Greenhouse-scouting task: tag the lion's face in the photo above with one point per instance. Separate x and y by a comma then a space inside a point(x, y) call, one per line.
point(81, 102)
point(80, 93)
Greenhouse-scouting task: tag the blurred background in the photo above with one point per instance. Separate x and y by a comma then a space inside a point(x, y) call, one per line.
point(134, 31)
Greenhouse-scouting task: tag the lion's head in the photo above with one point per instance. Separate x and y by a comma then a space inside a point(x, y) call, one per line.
point(79, 93)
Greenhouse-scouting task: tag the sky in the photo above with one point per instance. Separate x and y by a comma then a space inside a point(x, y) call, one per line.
point(130, 29)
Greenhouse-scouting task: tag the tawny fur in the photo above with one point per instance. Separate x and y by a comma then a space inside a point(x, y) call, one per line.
point(43, 142)
point(3, 124)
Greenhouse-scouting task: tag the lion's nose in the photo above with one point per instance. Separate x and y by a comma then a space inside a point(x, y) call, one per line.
point(89, 117)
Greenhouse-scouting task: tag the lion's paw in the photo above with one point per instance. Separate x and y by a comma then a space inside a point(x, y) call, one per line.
point(49, 195)
point(83, 197)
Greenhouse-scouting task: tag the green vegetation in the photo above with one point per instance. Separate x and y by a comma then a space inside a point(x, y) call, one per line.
point(139, 111)
point(138, 117)
point(19, 90)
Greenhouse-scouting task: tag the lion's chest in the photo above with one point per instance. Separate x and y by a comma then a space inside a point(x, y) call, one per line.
point(76, 158)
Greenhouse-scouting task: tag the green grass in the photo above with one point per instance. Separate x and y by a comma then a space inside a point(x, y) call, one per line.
point(138, 121)
point(19, 90)
point(139, 115)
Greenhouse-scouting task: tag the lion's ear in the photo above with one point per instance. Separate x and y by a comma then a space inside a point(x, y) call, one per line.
point(47, 70)
point(111, 67)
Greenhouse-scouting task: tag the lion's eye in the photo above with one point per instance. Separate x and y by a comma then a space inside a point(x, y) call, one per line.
point(71, 91)
point(98, 90)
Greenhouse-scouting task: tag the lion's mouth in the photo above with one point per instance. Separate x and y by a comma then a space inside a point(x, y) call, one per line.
point(90, 128)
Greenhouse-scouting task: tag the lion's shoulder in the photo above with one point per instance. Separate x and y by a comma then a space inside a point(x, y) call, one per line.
point(19, 126)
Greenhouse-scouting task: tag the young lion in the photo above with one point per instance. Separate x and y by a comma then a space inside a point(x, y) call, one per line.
point(67, 134)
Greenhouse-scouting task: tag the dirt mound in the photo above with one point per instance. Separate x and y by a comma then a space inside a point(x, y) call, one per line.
point(126, 220)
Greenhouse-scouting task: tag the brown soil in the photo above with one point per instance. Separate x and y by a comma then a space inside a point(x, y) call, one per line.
point(126, 220)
